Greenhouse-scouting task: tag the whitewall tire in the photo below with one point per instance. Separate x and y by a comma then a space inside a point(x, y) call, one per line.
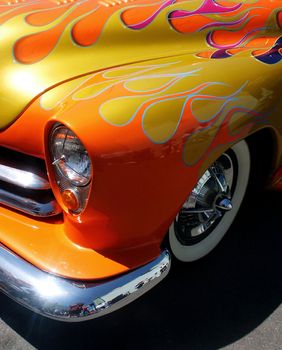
point(191, 238)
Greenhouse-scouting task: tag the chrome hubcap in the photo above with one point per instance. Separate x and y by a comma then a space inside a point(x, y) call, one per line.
point(208, 202)
point(224, 204)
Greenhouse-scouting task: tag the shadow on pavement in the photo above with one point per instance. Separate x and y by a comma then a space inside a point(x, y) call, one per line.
point(204, 305)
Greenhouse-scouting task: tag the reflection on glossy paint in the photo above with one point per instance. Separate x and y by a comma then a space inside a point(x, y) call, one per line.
point(24, 81)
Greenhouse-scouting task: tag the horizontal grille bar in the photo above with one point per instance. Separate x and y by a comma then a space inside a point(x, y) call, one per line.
point(24, 184)
point(29, 202)
point(23, 178)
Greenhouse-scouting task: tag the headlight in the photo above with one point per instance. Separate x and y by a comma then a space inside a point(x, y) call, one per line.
point(70, 156)
point(72, 168)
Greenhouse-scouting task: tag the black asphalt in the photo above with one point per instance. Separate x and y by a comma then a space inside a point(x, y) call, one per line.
point(232, 298)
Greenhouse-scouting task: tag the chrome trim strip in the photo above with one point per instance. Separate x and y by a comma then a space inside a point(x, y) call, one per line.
point(43, 207)
point(23, 178)
point(73, 301)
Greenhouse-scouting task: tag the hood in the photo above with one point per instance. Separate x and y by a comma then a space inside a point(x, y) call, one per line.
point(44, 43)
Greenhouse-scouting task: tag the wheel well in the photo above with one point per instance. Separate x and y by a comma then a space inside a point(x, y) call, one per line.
point(263, 149)
point(262, 145)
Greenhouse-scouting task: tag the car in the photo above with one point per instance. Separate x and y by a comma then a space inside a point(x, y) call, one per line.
point(129, 131)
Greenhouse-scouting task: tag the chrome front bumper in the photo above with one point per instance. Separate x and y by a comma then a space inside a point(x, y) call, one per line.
point(74, 301)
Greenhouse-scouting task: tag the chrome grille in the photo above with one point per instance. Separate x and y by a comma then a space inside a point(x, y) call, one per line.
point(24, 184)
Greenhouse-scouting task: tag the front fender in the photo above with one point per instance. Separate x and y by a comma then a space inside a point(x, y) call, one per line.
point(151, 129)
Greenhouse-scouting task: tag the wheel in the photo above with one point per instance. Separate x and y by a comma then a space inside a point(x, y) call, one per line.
point(212, 206)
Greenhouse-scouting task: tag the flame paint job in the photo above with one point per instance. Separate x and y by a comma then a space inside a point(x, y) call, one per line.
point(155, 90)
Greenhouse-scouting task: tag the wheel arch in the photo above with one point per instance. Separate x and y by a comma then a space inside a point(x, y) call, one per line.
point(261, 143)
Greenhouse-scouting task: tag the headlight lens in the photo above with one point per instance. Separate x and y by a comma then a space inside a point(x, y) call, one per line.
point(70, 156)
point(72, 169)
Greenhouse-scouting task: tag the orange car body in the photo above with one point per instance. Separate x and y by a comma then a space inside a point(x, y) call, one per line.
point(155, 90)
